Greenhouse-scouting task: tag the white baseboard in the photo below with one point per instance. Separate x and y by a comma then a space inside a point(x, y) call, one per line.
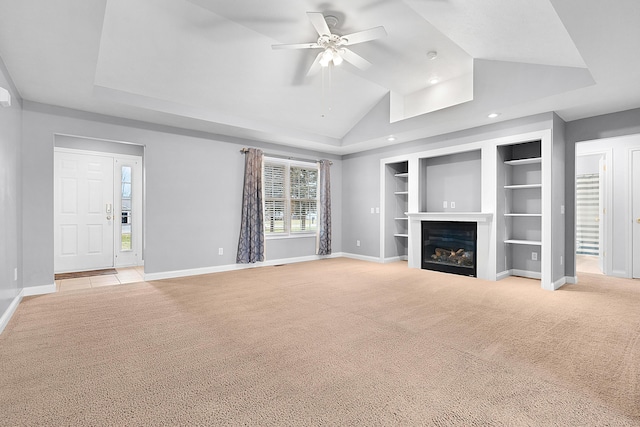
point(526, 273)
point(559, 283)
point(394, 259)
point(232, 267)
point(503, 275)
point(362, 257)
point(39, 290)
point(6, 316)
point(572, 280)
point(521, 273)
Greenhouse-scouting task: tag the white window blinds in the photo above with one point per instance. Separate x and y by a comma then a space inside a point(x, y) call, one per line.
point(290, 194)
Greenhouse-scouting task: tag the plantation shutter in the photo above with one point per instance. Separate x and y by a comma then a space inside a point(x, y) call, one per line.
point(274, 198)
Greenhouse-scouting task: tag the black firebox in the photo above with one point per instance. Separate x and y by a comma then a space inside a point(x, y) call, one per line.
point(449, 246)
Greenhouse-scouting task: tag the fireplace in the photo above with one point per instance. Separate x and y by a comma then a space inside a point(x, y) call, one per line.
point(449, 246)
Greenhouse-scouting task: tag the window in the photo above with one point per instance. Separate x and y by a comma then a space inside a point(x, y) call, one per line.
point(290, 198)
point(125, 230)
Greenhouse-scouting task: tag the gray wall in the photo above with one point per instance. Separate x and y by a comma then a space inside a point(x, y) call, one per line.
point(193, 191)
point(588, 164)
point(99, 145)
point(10, 194)
point(605, 126)
point(452, 178)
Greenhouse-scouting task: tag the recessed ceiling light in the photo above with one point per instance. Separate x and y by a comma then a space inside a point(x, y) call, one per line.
point(493, 115)
point(433, 80)
point(391, 138)
point(432, 55)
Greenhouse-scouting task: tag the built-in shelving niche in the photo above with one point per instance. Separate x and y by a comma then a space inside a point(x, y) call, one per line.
point(451, 178)
point(396, 206)
point(519, 209)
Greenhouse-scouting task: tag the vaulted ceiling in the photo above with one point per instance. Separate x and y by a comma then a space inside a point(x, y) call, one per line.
point(208, 64)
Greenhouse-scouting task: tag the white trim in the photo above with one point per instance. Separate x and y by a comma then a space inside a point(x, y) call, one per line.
point(232, 267)
point(504, 274)
point(630, 218)
point(39, 290)
point(526, 273)
point(377, 260)
point(97, 153)
point(559, 283)
point(606, 241)
point(451, 216)
point(98, 139)
point(6, 316)
point(520, 273)
point(394, 259)
point(572, 280)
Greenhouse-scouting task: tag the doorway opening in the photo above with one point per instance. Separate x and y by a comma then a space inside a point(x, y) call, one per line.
point(98, 204)
point(591, 211)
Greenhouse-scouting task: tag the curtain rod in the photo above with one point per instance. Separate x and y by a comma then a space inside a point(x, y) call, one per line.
point(279, 156)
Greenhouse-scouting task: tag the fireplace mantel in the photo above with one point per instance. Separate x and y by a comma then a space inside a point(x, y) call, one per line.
point(485, 264)
point(450, 216)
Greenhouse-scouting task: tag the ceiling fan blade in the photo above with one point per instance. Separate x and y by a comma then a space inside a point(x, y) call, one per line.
point(315, 66)
point(319, 23)
point(364, 36)
point(295, 46)
point(354, 59)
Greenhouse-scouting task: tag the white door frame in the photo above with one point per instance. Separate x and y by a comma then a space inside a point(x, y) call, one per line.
point(631, 223)
point(607, 190)
point(117, 191)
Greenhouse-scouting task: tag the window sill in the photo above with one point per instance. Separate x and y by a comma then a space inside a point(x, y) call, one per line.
point(289, 236)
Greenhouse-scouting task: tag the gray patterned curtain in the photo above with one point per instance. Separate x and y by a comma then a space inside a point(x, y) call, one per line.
point(251, 242)
point(323, 241)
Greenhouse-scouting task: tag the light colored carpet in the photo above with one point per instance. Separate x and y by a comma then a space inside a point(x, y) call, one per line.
point(331, 342)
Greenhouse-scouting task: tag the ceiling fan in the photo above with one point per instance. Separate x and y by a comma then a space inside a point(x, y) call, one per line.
point(334, 46)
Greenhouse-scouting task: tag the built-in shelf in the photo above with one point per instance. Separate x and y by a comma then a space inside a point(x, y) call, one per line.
point(521, 186)
point(523, 161)
point(523, 242)
point(402, 175)
point(401, 235)
point(400, 192)
point(404, 218)
point(524, 214)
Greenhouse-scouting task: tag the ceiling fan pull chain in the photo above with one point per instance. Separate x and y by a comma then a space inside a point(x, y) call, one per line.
point(330, 67)
point(324, 109)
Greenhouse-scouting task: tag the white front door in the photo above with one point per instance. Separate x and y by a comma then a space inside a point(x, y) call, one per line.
point(83, 212)
point(635, 200)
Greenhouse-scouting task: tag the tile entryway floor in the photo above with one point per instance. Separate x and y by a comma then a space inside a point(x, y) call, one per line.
point(125, 275)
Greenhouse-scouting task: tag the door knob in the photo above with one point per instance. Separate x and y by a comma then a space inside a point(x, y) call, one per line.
point(638, 220)
point(108, 217)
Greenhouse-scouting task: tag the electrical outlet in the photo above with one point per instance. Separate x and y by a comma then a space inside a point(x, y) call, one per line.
point(453, 205)
point(444, 205)
point(220, 251)
point(357, 242)
point(377, 210)
point(561, 209)
point(534, 256)
point(373, 210)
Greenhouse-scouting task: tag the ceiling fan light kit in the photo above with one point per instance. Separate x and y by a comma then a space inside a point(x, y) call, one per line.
point(334, 50)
